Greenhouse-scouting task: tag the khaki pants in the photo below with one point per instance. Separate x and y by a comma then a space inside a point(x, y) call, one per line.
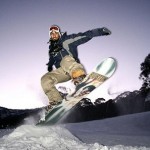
point(62, 74)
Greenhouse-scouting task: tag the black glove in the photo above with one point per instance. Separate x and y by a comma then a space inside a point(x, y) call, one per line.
point(105, 31)
point(49, 68)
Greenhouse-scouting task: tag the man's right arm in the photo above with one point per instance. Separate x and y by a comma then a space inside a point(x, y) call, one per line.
point(51, 62)
point(50, 65)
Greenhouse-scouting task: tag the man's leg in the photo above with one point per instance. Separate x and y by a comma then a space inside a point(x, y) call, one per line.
point(48, 82)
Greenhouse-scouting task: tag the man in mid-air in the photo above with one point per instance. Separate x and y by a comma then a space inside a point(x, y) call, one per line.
point(64, 63)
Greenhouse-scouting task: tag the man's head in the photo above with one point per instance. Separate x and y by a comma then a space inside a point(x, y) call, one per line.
point(54, 33)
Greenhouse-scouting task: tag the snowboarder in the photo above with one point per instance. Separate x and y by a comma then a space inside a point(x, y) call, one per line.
point(64, 63)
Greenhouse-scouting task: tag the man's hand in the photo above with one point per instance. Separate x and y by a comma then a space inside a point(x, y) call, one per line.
point(106, 31)
point(49, 68)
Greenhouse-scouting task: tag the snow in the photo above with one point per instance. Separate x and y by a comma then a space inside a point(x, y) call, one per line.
point(31, 137)
point(129, 132)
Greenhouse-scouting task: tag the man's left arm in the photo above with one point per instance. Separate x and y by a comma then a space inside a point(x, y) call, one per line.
point(81, 38)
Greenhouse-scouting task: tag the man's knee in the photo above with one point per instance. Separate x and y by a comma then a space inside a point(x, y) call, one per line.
point(47, 82)
point(69, 64)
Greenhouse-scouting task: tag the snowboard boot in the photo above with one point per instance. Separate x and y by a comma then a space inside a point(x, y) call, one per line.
point(51, 106)
point(78, 76)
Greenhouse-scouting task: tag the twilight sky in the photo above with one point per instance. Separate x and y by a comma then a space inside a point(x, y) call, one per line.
point(24, 26)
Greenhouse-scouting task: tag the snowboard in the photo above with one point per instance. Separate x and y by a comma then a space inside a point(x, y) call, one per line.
point(102, 72)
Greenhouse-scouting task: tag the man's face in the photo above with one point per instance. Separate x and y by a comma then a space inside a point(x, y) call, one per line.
point(54, 35)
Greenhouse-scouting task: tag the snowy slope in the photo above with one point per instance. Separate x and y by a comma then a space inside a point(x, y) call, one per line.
point(130, 132)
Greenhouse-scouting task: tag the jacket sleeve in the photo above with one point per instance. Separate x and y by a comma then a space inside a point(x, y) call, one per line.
point(50, 64)
point(81, 38)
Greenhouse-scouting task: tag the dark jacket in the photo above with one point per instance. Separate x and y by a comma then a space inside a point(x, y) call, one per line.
point(67, 45)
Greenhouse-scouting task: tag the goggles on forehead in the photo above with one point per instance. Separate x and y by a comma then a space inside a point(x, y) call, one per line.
point(54, 28)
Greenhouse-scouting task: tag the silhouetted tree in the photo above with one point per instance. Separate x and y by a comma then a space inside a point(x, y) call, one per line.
point(145, 75)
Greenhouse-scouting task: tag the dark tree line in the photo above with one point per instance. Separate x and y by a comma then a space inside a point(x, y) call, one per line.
point(145, 75)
